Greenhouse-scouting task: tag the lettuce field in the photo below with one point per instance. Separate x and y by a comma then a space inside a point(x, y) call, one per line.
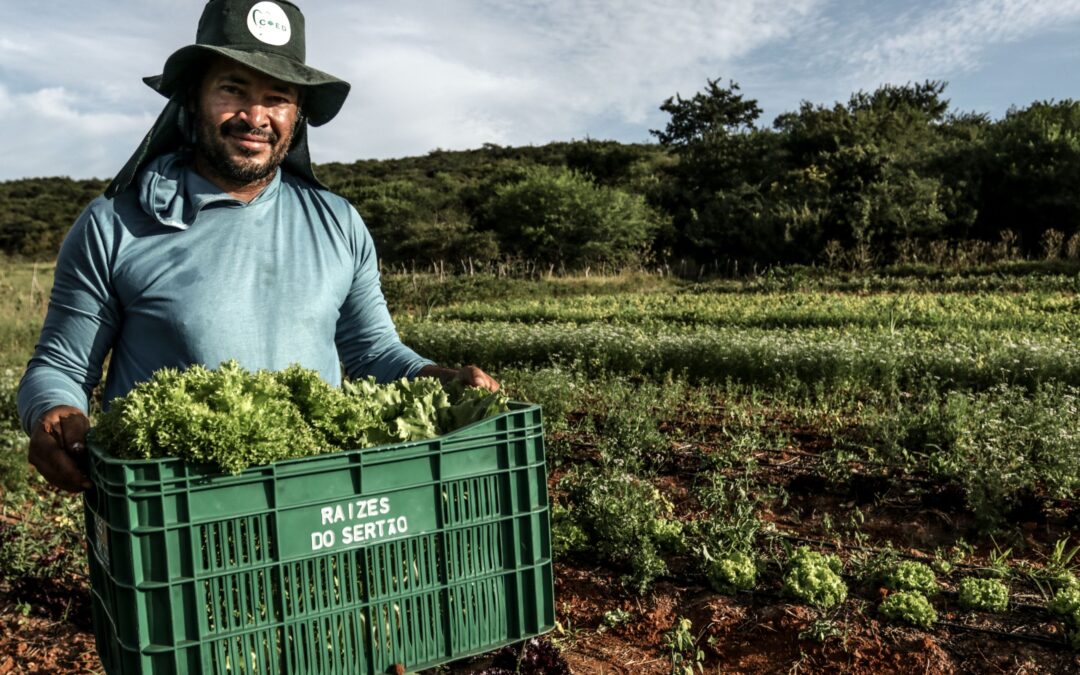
point(792, 473)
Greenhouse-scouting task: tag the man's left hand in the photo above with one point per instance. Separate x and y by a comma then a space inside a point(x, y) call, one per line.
point(470, 376)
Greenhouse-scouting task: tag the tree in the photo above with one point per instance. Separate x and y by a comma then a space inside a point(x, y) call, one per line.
point(1030, 173)
point(872, 160)
point(716, 111)
point(718, 191)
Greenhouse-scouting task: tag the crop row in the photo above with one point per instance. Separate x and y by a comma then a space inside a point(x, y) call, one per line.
point(858, 357)
point(1042, 312)
point(995, 445)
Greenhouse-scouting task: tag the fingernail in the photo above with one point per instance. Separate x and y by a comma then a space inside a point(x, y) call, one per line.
point(78, 447)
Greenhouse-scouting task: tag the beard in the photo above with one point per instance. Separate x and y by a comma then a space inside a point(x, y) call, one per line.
point(211, 143)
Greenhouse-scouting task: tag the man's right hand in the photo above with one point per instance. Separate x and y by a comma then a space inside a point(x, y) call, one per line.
point(58, 445)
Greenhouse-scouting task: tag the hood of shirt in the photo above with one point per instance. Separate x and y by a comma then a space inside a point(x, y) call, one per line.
point(172, 193)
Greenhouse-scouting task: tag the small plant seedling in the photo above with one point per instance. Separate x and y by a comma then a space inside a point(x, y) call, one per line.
point(1059, 562)
point(821, 630)
point(998, 562)
point(942, 566)
point(614, 617)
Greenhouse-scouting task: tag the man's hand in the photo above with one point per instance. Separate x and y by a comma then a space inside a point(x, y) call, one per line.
point(58, 445)
point(470, 376)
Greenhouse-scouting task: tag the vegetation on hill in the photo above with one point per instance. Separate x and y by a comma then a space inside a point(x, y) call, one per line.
point(889, 176)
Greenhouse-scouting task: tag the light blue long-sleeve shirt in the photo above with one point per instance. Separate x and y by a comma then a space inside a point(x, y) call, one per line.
point(176, 272)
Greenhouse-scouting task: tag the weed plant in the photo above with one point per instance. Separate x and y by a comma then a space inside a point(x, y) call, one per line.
point(41, 537)
point(15, 472)
point(729, 523)
point(994, 445)
point(567, 536)
point(687, 658)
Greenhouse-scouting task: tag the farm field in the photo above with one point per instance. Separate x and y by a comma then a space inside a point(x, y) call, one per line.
point(821, 474)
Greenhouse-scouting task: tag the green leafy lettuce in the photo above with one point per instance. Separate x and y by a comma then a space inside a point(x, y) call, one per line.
point(234, 418)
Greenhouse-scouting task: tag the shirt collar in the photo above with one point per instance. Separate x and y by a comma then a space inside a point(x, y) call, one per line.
point(201, 192)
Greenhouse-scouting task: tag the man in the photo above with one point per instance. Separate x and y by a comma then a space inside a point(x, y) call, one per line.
point(215, 242)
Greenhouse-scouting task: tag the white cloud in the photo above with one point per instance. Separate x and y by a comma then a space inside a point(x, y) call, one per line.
point(411, 98)
point(953, 38)
point(10, 46)
point(46, 134)
point(459, 73)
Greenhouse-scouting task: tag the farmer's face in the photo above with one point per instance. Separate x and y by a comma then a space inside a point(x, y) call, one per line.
point(245, 121)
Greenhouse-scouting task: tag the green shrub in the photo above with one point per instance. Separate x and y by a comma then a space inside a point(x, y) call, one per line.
point(910, 607)
point(733, 571)
point(984, 595)
point(567, 537)
point(996, 444)
point(815, 578)
point(627, 522)
point(559, 215)
point(909, 575)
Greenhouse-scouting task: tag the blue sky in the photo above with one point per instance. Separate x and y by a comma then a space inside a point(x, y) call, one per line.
point(455, 74)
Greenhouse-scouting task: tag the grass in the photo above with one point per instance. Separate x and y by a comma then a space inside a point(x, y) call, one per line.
point(24, 297)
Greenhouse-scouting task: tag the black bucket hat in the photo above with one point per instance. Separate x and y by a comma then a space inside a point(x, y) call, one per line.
point(267, 36)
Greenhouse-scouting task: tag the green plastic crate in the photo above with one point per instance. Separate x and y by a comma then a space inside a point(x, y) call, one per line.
point(349, 563)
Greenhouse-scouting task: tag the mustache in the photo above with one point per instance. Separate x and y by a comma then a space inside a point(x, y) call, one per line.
point(239, 126)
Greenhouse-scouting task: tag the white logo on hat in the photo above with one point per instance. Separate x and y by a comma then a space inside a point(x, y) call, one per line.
point(268, 23)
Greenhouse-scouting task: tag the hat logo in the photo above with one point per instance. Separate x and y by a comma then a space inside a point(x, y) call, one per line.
point(268, 23)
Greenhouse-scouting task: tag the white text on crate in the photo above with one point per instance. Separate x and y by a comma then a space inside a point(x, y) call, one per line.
point(371, 526)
